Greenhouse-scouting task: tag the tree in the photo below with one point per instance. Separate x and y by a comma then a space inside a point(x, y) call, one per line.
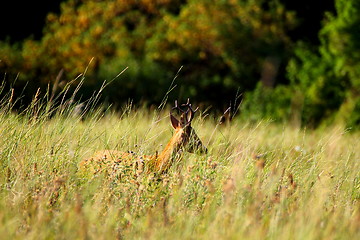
point(329, 76)
point(223, 46)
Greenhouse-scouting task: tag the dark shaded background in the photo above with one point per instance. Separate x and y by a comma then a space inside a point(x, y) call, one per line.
point(22, 19)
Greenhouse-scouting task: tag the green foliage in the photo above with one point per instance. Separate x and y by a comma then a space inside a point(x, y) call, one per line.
point(322, 92)
point(220, 44)
point(329, 76)
point(354, 119)
point(340, 40)
point(11, 58)
point(226, 38)
point(268, 103)
point(323, 81)
point(349, 113)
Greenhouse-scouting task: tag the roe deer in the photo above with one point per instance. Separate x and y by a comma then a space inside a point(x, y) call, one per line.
point(184, 138)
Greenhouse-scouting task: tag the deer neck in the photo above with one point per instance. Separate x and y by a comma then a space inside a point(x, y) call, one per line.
point(164, 160)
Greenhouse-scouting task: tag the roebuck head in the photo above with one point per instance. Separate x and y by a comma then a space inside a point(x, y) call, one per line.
point(185, 136)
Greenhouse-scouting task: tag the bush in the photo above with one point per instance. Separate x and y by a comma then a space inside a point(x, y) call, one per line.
point(329, 75)
point(268, 103)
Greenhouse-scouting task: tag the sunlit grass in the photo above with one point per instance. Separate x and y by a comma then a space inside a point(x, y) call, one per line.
point(257, 180)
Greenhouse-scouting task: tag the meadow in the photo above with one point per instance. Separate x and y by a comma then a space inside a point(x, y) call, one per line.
point(258, 180)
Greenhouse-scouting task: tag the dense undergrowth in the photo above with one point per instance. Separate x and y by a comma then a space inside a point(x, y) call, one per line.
point(257, 181)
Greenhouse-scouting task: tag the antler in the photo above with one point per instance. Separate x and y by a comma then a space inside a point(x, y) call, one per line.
point(176, 107)
point(189, 109)
point(187, 115)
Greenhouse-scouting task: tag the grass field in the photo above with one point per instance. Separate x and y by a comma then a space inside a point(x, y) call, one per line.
point(258, 181)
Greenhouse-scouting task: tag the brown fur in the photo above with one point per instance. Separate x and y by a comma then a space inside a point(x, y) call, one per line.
point(184, 138)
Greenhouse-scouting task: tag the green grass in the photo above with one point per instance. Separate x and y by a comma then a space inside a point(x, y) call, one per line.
point(262, 181)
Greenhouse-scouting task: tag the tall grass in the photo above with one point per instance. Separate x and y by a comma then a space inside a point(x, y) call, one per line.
point(257, 181)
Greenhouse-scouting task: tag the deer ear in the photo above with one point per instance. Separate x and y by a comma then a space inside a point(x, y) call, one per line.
point(174, 122)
